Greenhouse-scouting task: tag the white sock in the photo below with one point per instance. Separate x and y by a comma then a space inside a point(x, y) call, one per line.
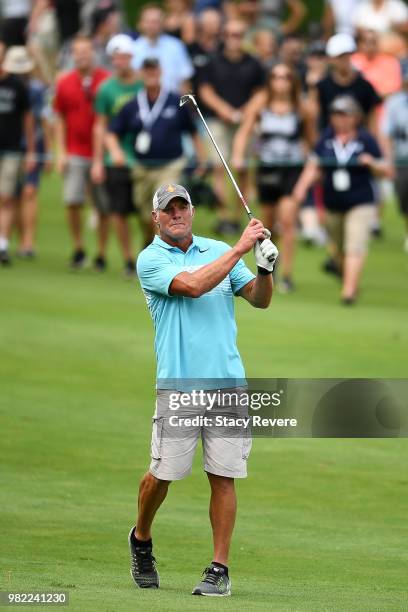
point(3, 243)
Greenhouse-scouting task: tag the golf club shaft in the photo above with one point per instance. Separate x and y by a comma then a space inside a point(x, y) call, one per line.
point(233, 181)
point(190, 98)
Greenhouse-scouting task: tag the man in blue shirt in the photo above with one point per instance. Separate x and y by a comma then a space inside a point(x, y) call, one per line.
point(155, 125)
point(189, 283)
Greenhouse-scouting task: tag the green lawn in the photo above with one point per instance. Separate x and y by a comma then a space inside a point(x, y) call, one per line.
point(322, 523)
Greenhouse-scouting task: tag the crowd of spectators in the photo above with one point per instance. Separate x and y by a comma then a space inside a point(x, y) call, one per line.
point(313, 119)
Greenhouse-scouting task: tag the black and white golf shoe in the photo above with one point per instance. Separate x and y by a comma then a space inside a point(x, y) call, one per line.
point(215, 584)
point(142, 565)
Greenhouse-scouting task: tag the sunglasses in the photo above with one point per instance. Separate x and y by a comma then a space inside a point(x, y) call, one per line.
point(282, 77)
point(234, 34)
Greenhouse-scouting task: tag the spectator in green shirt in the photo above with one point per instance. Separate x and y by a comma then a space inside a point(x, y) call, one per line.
point(113, 94)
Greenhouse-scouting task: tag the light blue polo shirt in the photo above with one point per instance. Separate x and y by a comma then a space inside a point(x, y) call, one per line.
point(196, 338)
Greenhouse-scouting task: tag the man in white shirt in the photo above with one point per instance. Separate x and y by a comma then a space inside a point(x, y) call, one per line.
point(170, 52)
point(382, 16)
point(338, 17)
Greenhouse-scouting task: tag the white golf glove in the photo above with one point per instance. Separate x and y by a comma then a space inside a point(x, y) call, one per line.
point(266, 254)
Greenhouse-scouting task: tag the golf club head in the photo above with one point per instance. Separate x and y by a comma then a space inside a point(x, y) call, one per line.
point(187, 98)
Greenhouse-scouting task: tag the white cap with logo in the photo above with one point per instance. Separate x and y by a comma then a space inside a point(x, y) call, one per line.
point(339, 44)
point(121, 43)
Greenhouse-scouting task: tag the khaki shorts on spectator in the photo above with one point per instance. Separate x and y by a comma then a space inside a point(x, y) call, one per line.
point(350, 231)
point(146, 182)
point(173, 445)
point(77, 184)
point(10, 171)
point(223, 134)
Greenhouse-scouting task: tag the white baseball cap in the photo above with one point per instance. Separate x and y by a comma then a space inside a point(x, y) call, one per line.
point(340, 44)
point(121, 43)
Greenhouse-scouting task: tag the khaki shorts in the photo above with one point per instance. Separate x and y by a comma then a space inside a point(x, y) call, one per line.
point(224, 135)
point(350, 231)
point(226, 448)
point(10, 170)
point(146, 181)
point(77, 182)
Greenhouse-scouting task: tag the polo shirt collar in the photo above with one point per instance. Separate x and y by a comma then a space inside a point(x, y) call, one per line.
point(197, 243)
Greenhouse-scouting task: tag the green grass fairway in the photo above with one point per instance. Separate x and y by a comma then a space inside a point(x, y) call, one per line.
point(322, 524)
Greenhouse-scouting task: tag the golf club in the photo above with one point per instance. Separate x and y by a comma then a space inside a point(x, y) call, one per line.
point(190, 98)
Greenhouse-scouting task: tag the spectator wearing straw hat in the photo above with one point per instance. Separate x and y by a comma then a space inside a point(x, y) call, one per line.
point(16, 121)
point(29, 181)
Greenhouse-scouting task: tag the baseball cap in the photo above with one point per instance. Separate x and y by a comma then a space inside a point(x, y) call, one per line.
point(168, 192)
point(340, 44)
point(17, 61)
point(121, 43)
point(346, 105)
point(150, 62)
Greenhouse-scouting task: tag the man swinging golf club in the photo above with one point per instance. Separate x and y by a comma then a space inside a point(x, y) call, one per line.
point(189, 283)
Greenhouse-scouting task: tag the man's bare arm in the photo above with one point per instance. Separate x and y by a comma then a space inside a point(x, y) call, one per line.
point(99, 131)
point(258, 292)
point(195, 284)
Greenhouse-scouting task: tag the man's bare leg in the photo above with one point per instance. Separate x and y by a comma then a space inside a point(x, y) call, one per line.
point(7, 216)
point(122, 228)
point(223, 510)
point(152, 493)
point(74, 214)
point(28, 215)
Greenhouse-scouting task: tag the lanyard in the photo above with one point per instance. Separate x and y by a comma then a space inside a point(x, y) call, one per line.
point(148, 116)
point(344, 152)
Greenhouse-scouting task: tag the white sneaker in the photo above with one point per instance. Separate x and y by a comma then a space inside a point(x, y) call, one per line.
point(406, 245)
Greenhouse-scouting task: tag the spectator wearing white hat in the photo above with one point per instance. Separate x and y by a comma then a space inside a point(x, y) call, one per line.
point(344, 79)
point(16, 122)
point(112, 95)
